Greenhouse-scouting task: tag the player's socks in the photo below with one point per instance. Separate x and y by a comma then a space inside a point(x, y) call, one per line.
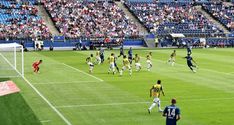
point(130, 72)
point(149, 111)
point(173, 63)
point(152, 106)
point(121, 72)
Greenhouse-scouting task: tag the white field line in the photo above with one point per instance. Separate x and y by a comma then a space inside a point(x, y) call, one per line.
point(72, 82)
point(9, 76)
point(39, 93)
point(45, 121)
point(135, 103)
point(83, 72)
point(48, 102)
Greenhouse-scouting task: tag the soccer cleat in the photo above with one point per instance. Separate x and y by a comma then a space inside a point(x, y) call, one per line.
point(149, 111)
point(160, 110)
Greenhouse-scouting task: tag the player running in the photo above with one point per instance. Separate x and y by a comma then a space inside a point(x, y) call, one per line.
point(101, 52)
point(137, 62)
point(190, 64)
point(121, 51)
point(155, 91)
point(130, 55)
point(115, 62)
point(172, 113)
point(90, 63)
point(171, 60)
point(98, 59)
point(36, 67)
point(111, 60)
point(148, 61)
point(126, 64)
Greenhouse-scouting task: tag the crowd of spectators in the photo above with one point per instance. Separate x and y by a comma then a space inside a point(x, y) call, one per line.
point(165, 19)
point(21, 20)
point(223, 13)
point(74, 18)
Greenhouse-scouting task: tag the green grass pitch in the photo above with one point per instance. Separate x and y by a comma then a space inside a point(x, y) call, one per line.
point(205, 97)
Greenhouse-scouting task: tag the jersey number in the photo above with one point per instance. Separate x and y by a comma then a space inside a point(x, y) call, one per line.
point(171, 112)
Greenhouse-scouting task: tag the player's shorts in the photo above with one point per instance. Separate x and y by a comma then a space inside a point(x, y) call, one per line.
point(35, 67)
point(156, 100)
point(172, 59)
point(98, 58)
point(112, 65)
point(137, 64)
point(90, 64)
point(189, 64)
point(148, 61)
point(126, 67)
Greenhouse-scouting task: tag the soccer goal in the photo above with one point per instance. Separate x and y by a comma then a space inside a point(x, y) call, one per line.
point(11, 60)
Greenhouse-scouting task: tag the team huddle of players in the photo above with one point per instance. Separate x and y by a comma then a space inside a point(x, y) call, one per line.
point(112, 60)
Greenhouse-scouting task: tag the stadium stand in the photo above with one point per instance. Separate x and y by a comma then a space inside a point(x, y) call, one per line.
point(221, 12)
point(90, 19)
point(180, 17)
point(19, 20)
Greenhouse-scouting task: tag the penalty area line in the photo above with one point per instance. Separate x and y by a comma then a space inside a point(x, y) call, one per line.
point(71, 82)
point(45, 121)
point(47, 101)
point(82, 72)
point(135, 103)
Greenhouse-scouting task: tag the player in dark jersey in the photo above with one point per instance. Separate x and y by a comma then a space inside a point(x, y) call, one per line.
point(121, 51)
point(189, 50)
point(115, 62)
point(130, 55)
point(190, 64)
point(172, 113)
point(101, 54)
point(36, 67)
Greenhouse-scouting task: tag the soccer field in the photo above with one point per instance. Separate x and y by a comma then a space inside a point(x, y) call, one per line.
point(64, 93)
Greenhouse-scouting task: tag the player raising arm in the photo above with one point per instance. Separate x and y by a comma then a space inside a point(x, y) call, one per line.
point(155, 91)
point(36, 67)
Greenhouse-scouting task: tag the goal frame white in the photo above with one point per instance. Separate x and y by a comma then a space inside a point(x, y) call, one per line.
point(14, 66)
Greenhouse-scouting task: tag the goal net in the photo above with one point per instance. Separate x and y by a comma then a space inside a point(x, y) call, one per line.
point(11, 60)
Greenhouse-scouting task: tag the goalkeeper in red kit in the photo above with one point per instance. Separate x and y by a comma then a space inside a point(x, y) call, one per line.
point(35, 66)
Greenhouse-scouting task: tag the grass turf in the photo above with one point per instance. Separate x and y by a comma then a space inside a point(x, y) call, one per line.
point(204, 97)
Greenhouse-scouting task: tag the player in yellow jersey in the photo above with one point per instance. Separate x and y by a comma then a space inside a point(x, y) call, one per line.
point(98, 59)
point(90, 63)
point(111, 60)
point(148, 61)
point(126, 64)
point(137, 62)
point(155, 92)
point(171, 60)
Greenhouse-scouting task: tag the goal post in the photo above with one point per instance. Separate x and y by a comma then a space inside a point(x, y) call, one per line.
point(11, 60)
